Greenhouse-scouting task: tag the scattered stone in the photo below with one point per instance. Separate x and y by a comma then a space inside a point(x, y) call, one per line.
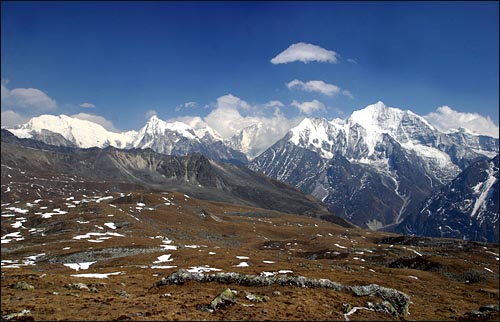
point(204, 308)
point(22, 286)
point(398, 300)
point(77, 286)
point(347, 307)
point(164, 295)
point(384, 306)
point(121, 293)
point(475, 316)
point(264, 311)
point(223, 300)
point(474, 276)
point(24, 315)
point(276, 293)
point(256, 297)
point(489, 307)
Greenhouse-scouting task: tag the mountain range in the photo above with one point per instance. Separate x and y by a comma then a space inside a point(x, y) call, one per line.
point(375, 168)
point(173, 138)
point(145, 169)
point(379, 168)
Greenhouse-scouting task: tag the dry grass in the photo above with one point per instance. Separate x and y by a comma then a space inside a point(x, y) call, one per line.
point(434, 295)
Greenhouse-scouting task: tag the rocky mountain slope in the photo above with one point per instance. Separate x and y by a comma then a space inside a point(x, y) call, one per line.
point(178, 138)
point(194, 174)
point(375, 167)
point(175, 138)
point(465, 208)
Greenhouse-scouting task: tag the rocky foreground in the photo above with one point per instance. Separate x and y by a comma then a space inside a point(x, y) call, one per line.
point(168, 256)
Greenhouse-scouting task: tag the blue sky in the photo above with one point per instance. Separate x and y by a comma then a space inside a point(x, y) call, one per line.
point(128, 58)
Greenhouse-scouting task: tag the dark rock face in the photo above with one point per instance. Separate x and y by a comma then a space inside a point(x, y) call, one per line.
point(194, 174)
point(377, 167)
point(466, 208)
point(358, 192)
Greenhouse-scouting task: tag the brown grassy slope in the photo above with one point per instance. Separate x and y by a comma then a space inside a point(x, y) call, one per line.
point(308, 247)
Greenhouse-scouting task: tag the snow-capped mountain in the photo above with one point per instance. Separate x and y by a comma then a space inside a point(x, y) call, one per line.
point(466, 208)
point(376, 166)
point(175, 138)
point(254, 139)
point(244, 140)
point(74, 132)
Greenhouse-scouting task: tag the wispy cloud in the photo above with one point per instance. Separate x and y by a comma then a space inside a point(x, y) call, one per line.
point(309, 107)
point(186, 105)
point(149, 113)
point(28, 98)
point(319, 87)
point(352, 61)
point(305, 53)
point(274, 103)
point(447, 119)
point(347, 93)
point(87, 105)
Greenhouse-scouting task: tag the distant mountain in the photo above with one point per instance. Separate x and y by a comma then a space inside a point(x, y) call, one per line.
point(244, 140)
point(173, 138)
point(254, 139)
point(69, 131)
point(465, 208)
point(178, 138)
point(375, 167)
point(194, 174)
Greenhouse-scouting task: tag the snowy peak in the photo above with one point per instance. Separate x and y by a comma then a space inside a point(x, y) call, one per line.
point(315, 134)
point(82, 133)
point(379, 118)
point(174, 138)
point(208, 134)
point(155, 126)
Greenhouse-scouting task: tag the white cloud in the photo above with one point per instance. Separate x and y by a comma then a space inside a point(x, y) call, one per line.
point(186, 105)
point(318, 86)
point(232, 102)
point(274, 103)
point(87, 105)
point(149, 113)
point(227, 119)
point(446, 119)
point(347, 93)
point(30, 98)
point(195, 122)
point(309, 107)
point(108, 125)
point(10, 119)
point(305, 53)
point(352, 61)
